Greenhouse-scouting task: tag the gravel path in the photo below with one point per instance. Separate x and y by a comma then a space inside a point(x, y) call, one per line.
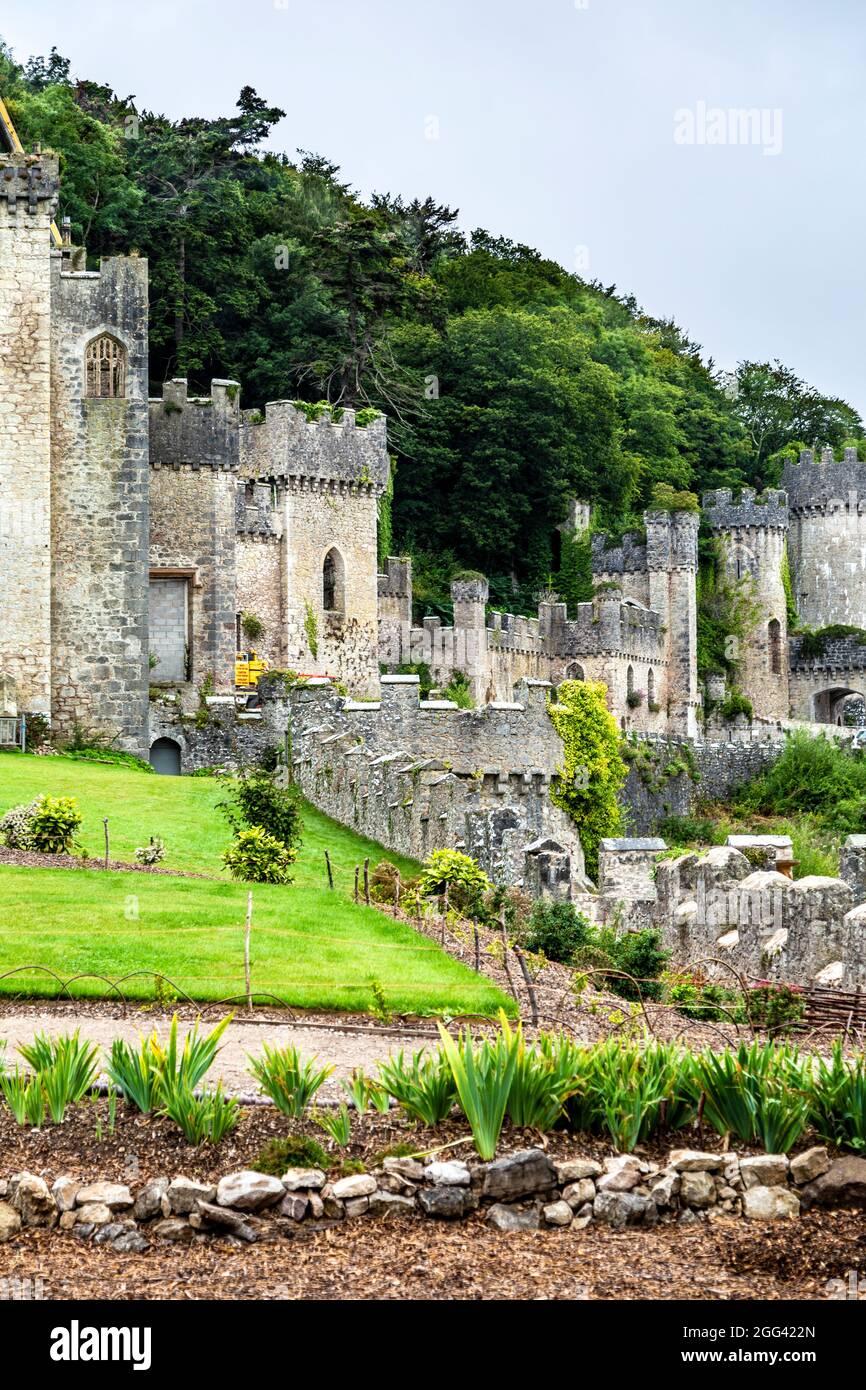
point(345, 1048)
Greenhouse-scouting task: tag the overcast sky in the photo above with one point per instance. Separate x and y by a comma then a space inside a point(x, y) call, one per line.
point(590, 129)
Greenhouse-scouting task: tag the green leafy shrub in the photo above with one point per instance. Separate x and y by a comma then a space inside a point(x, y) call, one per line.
point(465, 881)
point(256, 799)
point(290, 1083)
point(638, 954)
point(774, 1007)
point(252, 627)
point(459, 691)
point(53, 824)
point(557, 930)
point(734, 705)
point(254, 856)
point(696, 997)
point(593, 769)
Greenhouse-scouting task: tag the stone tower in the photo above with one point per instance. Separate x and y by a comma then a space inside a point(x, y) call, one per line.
point(672, 566)
point(827, 505)
point(752, 535)
point(99, 497)
point(327, 477)
point(28, 193)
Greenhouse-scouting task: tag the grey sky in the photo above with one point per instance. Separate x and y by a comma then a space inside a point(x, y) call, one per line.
point(553, 123)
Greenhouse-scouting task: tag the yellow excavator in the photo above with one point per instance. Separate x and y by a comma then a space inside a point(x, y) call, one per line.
point(11, 143)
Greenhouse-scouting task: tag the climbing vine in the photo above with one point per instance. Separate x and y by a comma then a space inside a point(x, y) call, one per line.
point(311, 629)
point(593, 769)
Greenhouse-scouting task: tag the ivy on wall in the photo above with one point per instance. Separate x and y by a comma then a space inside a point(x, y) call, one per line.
point(593, 769)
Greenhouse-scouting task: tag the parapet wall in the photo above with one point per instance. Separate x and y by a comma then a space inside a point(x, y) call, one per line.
point(825, 486)
point(285, 444)
point(718, 911)
point(722, 511)
point(195, 431)
point(364, 768)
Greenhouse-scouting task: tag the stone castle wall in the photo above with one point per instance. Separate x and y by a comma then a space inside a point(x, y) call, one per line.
point(366, 777)
point(29, 189)
point(193, 517)
point(99, 511)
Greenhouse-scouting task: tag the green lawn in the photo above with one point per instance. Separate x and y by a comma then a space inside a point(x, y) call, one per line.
point(312, 947)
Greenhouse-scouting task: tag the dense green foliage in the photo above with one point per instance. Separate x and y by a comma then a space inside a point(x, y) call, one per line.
point(510, 384)
point(593, 769)
point(813, 775)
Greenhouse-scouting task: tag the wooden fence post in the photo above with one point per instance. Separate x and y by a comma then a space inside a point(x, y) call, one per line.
point(367, 882)
point(247, 933)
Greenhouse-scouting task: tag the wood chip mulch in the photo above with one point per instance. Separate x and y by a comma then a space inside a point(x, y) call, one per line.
point(400, 1259)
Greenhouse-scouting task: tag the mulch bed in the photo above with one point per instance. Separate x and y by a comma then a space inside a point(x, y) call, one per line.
point(29, 859)
point(401, 1259)
point(143, 1146)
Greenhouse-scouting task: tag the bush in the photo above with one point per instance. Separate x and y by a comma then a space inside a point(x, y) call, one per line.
point(774, 1007)
point(254, 856)
point(252, 627)
point(557, 930)
point(636, 953)
point(812, 775)
point(459, 690)
point(297, 1151)
point(53, 824)
point(459, 873)
point(256, 800)
point(151, 853)
point(593, 769)
point(15, 827)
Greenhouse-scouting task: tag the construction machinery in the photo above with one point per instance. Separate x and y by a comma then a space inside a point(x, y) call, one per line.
point(248, 668)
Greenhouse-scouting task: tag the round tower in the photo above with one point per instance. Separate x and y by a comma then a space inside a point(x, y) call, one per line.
point(752, 535)
point(827, 505)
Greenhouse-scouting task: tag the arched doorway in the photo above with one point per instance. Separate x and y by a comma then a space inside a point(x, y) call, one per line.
point(839, 705)
point(165, 757)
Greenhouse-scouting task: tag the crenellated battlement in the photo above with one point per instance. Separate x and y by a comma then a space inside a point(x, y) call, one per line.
point(319, 454)
point(195, 431)
point(723, 511)
point(826, 487)
point(29, 184)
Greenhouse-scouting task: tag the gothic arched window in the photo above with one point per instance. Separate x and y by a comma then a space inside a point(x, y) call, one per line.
point(105, 367)
point(334, 583)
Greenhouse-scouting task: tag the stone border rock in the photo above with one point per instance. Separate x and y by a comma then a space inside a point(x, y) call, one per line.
point(523, 1191)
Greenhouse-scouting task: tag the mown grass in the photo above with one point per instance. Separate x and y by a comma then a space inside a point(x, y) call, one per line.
point(312, 947)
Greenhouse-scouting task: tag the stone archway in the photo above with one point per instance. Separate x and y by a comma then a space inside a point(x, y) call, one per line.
point(165, 757)
point(832, 706)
